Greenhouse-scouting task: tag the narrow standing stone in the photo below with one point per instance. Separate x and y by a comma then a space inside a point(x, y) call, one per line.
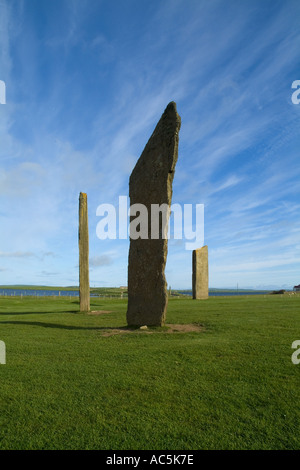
point(83, 235)
point(200, 273)
point(151, 183)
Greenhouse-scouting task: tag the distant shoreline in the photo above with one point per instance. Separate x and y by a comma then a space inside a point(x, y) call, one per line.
point(76, 288)
point(120, 292)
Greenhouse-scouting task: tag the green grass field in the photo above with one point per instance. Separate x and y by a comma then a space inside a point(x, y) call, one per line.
point(69, 383)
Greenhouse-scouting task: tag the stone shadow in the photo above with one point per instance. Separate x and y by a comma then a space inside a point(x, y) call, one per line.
point(114, 330)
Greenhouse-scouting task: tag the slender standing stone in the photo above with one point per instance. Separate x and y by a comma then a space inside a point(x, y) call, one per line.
point(151, 183)
point(83, 235)
point(200, 273)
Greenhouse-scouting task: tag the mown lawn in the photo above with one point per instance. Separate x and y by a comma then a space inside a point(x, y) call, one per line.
point(68, 384)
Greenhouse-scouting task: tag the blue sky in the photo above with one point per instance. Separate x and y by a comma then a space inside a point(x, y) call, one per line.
point(87, 81)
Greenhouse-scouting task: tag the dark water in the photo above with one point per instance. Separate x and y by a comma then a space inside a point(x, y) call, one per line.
point(39, 293)
point(75, 293)
point(228, 293)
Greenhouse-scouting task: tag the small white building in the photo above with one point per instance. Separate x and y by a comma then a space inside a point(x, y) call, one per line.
point(297, 288)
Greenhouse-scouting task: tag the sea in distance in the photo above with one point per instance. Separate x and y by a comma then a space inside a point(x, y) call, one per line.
point(64, 292)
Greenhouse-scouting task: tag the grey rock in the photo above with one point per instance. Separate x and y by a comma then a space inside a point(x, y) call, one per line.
point(200, 273)
point(83, 241)
point(151, 183)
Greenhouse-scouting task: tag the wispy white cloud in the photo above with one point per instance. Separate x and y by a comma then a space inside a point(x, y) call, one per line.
point(99, 261)
point(79, 122)
point(17, 254)
point(21, 180)
point(49, 273)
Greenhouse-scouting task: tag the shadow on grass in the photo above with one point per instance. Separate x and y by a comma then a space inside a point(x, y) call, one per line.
point(68, 327)
point(38, 313)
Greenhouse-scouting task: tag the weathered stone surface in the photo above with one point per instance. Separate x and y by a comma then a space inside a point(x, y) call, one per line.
point(83, 241)
point(200, 273)
point(151, 183)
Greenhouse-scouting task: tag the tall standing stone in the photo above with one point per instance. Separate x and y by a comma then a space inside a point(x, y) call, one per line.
point(151, 183)
point(83, 235)
point(200, 273)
